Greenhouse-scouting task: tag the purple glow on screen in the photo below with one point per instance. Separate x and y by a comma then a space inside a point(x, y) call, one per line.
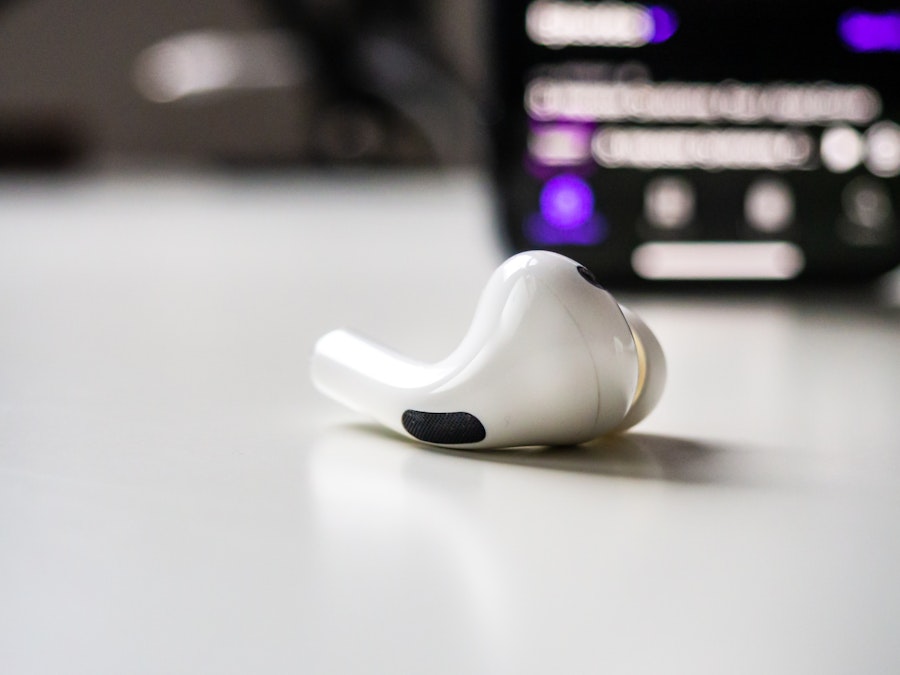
point(590, 232)
point(567, 214)
point(665, 23)
point(870, 31)
point(566, 202)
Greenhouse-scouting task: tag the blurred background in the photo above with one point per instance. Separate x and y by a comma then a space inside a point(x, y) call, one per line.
point(106, 83)
point(650, 142)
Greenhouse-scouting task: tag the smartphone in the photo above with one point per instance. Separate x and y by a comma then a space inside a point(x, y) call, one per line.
point(700, 140)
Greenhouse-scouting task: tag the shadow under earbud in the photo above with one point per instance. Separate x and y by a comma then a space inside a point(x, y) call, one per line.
point(641, 456)
point(632, 455)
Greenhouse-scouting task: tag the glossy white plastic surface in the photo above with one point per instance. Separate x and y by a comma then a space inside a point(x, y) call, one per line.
point(549, 359)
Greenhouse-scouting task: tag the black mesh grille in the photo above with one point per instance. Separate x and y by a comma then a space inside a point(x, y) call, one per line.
point(444, 428)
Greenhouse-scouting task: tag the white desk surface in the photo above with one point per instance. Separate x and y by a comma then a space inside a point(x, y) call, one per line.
point(176, 498)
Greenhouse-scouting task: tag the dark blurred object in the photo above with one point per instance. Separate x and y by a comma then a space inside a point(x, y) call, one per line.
point(224, 82)
point(47, 144)
point(384, 92)
point(694, 141)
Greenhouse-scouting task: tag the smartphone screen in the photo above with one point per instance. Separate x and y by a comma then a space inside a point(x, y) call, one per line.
point(701, 139)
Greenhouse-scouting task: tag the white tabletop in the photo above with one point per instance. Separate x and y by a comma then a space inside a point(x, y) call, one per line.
point(176, 498)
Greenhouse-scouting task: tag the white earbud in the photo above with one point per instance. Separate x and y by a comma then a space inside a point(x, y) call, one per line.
point(550, 359)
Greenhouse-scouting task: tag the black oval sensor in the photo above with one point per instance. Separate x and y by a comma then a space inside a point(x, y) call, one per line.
point(449, 428)
point(588, 276)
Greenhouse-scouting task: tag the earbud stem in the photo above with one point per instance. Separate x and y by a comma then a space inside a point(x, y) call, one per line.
point(357, 372)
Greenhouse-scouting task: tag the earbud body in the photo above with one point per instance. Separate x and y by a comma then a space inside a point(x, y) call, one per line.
point(550, 359)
